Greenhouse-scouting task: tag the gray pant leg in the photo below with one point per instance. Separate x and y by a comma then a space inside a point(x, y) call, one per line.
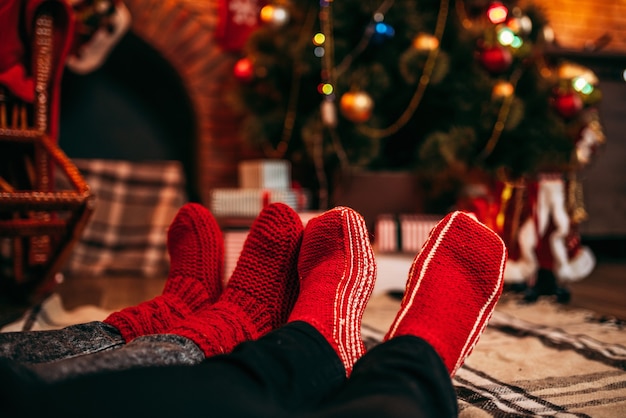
point(149, 350)
point(32, 347)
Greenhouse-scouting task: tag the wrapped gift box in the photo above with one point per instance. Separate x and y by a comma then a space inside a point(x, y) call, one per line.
point(404, 233)
point(249, 202)
point(265, 174)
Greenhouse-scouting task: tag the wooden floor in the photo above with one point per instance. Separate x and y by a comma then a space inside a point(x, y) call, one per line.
point(604, 291)
point(108, 292)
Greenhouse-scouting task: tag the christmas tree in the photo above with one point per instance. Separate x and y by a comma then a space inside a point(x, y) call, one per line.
point(445, 88)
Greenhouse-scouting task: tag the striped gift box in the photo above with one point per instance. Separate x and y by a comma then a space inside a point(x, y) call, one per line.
point(403, 233)
point(265, 174)
point(249, 202)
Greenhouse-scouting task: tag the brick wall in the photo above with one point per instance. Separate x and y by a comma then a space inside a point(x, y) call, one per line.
point(578, 22)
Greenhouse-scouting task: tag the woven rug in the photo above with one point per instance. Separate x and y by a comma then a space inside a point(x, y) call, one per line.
point(541, 359)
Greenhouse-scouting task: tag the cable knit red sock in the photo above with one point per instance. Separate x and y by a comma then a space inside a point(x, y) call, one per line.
point(261, 290)
point(196, 250)
point(337, 270)
point(452, 289)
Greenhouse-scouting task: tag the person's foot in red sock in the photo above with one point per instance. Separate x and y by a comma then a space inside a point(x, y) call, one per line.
point(452, 288)
point(338, 271)
point(196, 249)
point(261, 291)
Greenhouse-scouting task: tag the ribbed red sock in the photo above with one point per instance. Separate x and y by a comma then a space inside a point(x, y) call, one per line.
point(452, 288)
point(337, 270)
point(196, 250)
point(261, 291)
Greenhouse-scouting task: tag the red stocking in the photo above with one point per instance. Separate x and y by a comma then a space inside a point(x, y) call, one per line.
point(237, 20)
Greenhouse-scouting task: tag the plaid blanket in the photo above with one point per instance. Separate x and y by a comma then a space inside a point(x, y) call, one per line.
point(541, 359)
point(135, 203)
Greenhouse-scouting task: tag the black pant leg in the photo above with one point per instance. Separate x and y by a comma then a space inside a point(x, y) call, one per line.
point(287, 371)
point(403, 377)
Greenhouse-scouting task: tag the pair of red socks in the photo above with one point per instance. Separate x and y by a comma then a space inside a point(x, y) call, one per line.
point(257, 298)
point(451, 292)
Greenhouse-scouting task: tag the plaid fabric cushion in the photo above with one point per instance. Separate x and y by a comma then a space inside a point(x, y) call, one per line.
point(135, 203)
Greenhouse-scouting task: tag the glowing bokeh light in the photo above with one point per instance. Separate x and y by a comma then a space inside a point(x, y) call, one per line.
point(517, 42)
point(581, 85)
point(280, 16)
point(497, 13)
point(319, 39)
point(502, 89)
point(244, 70)
point(425, 42)
point(327, 89)
point(267, 12)
point(381, 28)
point(506, 36)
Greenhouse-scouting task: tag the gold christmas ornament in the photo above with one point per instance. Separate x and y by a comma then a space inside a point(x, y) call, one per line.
point(502, 89)
point(356, 106)
point(425, 42)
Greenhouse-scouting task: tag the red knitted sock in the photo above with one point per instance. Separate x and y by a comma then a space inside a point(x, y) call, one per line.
point(337, 270)
point(452, 289)
point(261, 290)
point(196, 250)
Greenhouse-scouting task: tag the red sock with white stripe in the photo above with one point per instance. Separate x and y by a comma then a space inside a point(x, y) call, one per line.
point(261, 291)
point(452, 289)
point(196, 249)
point(337, 271)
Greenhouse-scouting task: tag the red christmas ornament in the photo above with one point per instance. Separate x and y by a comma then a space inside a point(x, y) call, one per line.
point(244, 70)
point(568, 104)
point(496, 59)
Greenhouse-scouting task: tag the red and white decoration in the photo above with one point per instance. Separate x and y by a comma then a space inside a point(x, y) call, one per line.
point(237, 20)
point(547, 239)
